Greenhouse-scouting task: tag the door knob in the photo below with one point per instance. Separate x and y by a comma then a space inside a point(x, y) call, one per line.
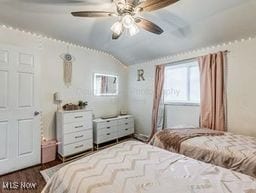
point(36, 113)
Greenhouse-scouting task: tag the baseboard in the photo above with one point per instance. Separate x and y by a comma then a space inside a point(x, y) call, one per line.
point(141, 137)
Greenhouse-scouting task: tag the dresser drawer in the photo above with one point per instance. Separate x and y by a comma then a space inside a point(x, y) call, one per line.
point(105, 137)
point(75, 127)
point(77, 117)
point(126, 124)
point(105, 130)
point(125, 131)
point(77, 147)
point(126, 121)
point(107, 123)
point(77, 136)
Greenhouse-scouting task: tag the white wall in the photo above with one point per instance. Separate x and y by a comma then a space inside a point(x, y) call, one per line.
point(241, 90)
point(51, 76)
point(140, 97)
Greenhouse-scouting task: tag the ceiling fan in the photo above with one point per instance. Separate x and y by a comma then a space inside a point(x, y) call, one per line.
point(128, 12)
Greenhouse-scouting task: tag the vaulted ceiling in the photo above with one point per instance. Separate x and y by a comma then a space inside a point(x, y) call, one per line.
point(188, 24)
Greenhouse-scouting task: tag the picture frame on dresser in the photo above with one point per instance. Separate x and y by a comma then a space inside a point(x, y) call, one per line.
point(74, 133)
point(112, 129)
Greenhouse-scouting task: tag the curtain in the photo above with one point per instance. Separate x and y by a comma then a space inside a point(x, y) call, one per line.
point(212, 91)
point(157, 112)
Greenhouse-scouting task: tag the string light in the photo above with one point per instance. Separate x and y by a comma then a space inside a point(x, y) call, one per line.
point(175, 57)
point(41, 37)
point(154, 61)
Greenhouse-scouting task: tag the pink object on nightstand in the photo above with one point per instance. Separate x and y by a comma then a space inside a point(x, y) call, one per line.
point(48, 151)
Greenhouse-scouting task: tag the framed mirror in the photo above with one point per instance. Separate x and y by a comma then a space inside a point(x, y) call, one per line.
point(105, 85)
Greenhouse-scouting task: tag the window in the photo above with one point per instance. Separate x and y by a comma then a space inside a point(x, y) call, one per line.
point(182, 83)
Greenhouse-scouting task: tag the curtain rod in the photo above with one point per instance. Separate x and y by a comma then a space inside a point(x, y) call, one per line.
point(190, 59)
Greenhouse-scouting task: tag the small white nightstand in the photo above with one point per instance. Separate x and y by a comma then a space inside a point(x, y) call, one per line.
point(74, 133)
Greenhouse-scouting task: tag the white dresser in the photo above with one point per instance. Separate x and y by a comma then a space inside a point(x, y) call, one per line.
point(74, 132)
point(105, 130)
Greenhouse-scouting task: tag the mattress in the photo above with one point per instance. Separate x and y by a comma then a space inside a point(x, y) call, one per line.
point(135, 167)
point(236, 152)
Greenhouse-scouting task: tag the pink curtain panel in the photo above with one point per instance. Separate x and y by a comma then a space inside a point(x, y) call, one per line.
point(212, 91)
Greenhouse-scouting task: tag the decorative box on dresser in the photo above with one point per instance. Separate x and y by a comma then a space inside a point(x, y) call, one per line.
point(105, 130)
point(74, 133)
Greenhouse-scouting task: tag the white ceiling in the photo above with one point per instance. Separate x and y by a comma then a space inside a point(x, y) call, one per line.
point(188, 24)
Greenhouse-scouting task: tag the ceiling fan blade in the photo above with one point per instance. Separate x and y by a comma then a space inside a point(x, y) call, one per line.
point(149, 26)
point(152, 5)
point(115, 36)
point(93, 14)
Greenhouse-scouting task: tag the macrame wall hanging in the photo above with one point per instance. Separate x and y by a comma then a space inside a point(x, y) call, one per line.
point(68, 59)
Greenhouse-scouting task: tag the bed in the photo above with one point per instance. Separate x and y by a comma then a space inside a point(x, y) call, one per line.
point(135, 167)
point(227, 150)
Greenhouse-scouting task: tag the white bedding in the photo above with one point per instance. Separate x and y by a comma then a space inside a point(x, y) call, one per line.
point(134, 167)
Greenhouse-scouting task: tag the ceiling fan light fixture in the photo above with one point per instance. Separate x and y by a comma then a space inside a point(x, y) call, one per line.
point(133, 30)
point(128, 21)
point(117, 28)
point(129, 14)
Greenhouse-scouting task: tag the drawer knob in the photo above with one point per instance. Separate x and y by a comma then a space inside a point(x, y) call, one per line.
point(108, 133)
point(126, 129)
point(79, 126)
point(126, 123)
point(108, 121)
point(79, 136)
point(108, 127)
point(36, 113)
point(77, 117)
point(79, 146)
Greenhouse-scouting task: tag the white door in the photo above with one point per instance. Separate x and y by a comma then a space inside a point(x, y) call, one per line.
point(19, 120)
